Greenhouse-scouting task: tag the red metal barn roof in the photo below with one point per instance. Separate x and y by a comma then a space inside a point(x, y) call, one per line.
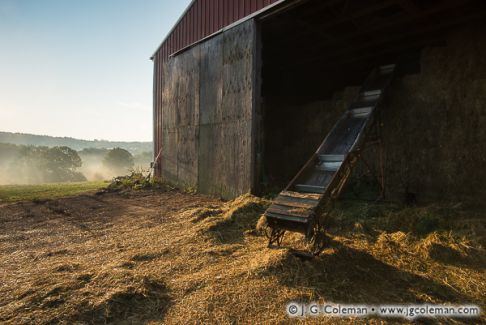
point(205, 17)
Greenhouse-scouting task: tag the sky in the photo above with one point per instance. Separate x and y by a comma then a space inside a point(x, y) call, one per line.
point(81, 68)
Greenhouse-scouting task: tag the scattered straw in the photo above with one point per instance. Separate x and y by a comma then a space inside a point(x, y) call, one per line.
point(150, 257)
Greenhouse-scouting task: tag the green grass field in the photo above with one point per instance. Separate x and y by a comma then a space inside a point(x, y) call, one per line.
point(13, 193)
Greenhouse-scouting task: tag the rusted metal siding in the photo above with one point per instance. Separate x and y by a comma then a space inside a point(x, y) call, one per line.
point(205, 17)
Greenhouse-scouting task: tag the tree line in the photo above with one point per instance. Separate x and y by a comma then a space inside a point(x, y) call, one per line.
point(134, 147)
point(21, 164)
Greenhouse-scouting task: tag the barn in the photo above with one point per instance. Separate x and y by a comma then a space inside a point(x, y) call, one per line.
point(246, 90)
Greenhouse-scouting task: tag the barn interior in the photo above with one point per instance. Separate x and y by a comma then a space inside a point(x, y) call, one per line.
point(315, 55)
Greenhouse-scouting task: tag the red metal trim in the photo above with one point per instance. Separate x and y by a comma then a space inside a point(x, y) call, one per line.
point(205, 17)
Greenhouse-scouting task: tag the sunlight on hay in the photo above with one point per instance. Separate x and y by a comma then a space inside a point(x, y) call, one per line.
point(169, 257)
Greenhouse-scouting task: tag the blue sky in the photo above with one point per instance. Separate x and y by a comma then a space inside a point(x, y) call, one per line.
point(81, 68)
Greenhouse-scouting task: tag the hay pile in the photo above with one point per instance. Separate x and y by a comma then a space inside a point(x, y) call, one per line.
point(177, 258)
point(434, 125)
point(233, 220)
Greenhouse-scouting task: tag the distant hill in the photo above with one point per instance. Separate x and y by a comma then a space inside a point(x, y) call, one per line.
point(76, 144)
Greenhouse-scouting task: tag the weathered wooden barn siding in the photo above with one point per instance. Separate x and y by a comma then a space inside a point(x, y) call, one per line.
point(206, 114)
point(210, 152)
point(180, 118)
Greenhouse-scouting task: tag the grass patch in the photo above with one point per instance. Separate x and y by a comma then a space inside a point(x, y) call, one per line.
point(14, 193)
point(137, 180)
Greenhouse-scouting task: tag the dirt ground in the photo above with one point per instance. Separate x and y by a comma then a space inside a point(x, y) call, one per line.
point(170, 257)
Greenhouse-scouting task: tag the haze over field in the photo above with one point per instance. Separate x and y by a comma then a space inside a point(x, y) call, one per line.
point(135, 147)
point(81, 70)
point(33, 159)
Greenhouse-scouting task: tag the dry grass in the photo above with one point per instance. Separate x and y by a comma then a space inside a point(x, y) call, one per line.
point(153, 257)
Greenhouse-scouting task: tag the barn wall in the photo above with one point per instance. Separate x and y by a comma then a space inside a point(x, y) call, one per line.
point(207, 114)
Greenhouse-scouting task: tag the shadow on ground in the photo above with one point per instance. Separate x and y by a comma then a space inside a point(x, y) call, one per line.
point(344, 274)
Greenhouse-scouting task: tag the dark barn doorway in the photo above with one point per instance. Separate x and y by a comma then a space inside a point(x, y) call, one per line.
point(314, 57)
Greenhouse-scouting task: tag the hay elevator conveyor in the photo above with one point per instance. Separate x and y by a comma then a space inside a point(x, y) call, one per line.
point(303, 205)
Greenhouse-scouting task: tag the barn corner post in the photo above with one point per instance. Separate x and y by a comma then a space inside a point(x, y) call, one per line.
point(154, 120)
point(156, 116)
